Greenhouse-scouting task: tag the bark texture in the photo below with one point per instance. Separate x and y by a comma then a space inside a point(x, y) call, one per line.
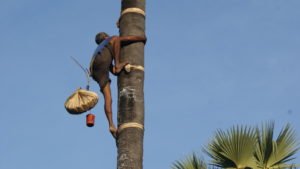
point(131, 90)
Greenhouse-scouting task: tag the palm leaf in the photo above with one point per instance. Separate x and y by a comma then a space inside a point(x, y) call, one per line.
point(265, 144)
point(286, 147)
point(192, 162)
point(275, 154)
point(233, 148)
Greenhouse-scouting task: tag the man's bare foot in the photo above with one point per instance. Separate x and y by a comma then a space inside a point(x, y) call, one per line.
point(117, 68)
point(113, 131)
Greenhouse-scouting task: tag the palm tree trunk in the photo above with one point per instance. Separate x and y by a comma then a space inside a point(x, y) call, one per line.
point(131, 90)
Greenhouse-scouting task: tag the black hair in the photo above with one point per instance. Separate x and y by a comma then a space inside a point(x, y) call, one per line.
point(100, 37)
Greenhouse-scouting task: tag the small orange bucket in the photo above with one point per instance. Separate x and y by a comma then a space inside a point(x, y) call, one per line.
point(90, 120)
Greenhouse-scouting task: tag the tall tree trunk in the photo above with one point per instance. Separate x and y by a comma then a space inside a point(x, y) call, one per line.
point(131, 90)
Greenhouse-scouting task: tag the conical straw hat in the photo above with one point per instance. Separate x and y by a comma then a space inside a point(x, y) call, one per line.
point(81, 101)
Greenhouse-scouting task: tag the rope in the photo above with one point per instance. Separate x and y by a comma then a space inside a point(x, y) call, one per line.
point(86, 72)
point(130, 10)
point(130, 67)
point(130, 125)
point(133, 10)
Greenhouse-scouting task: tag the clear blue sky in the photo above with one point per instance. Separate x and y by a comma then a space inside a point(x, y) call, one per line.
point(209, 64)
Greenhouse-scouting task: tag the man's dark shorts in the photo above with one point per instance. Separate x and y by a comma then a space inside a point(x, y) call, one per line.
point(101, 66)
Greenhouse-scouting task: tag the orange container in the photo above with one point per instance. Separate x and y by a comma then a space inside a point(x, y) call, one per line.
point(90, 120)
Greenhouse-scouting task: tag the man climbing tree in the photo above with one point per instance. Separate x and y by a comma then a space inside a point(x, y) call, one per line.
point(102, 63)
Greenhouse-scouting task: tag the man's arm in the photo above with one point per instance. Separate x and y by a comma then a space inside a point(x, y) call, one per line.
point(132, 39)
point(116, 41)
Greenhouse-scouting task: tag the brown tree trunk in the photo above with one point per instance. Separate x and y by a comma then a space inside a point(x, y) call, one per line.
point(131, 90)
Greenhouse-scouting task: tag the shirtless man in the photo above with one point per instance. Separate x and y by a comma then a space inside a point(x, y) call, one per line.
point(102, 63)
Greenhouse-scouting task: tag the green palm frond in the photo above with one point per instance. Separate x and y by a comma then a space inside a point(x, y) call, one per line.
point(275, 154)
point(192, 162)
point(234, 148)
point(265, 144)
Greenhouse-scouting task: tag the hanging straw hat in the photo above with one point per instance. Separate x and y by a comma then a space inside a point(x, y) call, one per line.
point(81, 101)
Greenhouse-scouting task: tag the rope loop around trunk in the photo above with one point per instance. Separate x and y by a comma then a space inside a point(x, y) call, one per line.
point(130, 125)
point(129, 68)
point(133, 10)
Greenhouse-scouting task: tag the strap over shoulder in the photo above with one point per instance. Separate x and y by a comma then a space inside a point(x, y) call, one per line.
point(102, 45)
point(98, 51)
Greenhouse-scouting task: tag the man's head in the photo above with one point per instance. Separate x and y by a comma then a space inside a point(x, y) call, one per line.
point(100, 37)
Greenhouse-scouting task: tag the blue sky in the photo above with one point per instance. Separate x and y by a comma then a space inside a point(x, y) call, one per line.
point(209, 64)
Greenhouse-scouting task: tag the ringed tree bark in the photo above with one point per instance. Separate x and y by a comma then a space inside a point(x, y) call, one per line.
point(131, 89)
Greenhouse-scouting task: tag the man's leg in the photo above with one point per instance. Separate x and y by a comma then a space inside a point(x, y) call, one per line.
point(117, 49)
point(108, 109)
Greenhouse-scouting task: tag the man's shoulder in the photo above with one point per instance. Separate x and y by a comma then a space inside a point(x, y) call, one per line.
point(113, 38)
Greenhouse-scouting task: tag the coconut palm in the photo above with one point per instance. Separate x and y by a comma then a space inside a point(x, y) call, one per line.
point(271, 153)
point(191, 162)
point(233, 149)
